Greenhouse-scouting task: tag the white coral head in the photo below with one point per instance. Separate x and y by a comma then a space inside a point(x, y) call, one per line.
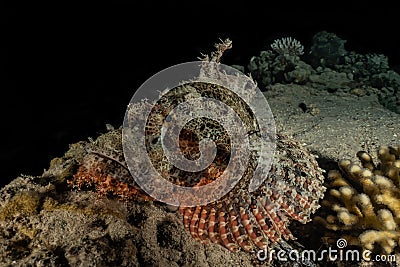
point(288, 45)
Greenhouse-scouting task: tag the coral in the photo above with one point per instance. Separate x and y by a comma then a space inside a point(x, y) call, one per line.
point(281, 64)
point(363, 204)
point(287, 45)
point(371, 70)
point(336, 69)
point(389, 84)
point(390, 98)
point(363, 66)
point(327, 49)
point(386, 79)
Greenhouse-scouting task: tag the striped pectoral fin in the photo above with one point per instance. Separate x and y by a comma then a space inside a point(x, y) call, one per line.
point(224, 233)
point(289, 210)
point(274, 230)
point(194, 223)
point(295, 206)
point(258, 215)
point(212, 225)
point(202, 229)
point(238, 232)
point(258, 240)
point(278, 223)
point(187, 216)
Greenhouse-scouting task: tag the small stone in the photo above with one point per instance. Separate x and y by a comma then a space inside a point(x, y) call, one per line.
point(311, 108)
point(357, 92)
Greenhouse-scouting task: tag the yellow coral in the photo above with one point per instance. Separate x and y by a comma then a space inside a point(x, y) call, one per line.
point(363, 201)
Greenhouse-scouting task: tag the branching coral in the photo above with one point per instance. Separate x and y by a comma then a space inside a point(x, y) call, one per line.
point(288, 45)
point(281, 64)
point(364, 201)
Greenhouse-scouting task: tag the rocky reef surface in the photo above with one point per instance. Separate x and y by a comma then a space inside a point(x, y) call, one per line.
point(328, 65)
